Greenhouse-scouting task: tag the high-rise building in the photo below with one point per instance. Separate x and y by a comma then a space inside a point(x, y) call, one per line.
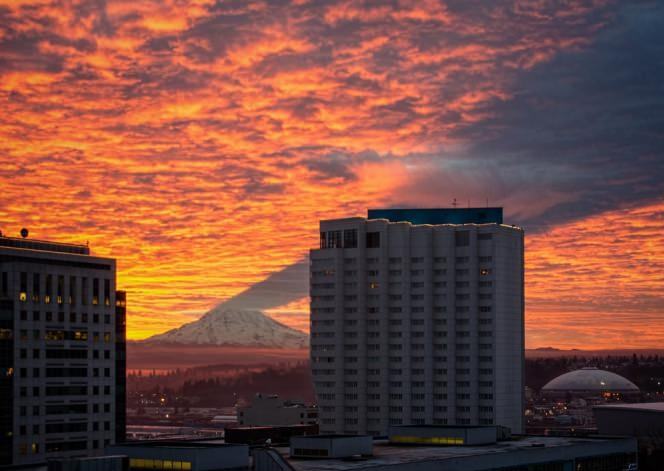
point(417, 317)
point(62, 364)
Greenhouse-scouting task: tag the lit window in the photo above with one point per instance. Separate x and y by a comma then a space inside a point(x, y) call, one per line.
point(485, 271)
point(23, 296)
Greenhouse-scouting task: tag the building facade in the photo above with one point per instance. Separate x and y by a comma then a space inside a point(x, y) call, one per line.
point(418, 324)
point(61, 352)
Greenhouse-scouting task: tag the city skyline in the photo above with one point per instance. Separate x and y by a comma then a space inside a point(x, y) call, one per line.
point(200, 146)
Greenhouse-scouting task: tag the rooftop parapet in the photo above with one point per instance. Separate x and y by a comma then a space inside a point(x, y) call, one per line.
point(43, 245)
point(436, 216)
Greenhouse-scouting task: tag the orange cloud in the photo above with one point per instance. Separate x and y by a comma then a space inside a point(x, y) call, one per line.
point(199, 143)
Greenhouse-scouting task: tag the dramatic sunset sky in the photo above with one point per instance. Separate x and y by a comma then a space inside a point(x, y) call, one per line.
point(199, 142)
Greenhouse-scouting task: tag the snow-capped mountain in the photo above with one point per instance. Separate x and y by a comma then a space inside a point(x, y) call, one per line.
point(234, 327)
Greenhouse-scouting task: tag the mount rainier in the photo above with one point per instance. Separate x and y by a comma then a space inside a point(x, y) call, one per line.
point(234, 327)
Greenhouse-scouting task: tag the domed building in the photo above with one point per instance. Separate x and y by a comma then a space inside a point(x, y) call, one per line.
point(590, 381)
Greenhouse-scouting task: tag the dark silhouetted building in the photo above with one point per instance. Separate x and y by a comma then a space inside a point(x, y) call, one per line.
point(62, 353)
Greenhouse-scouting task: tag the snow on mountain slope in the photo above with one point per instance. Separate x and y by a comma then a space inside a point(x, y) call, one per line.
point(240, 327)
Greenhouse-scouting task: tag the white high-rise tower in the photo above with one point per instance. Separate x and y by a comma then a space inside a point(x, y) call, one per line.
point(417, 317)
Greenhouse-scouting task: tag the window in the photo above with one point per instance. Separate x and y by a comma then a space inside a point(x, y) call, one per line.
point(107, 292)
point(462, 238)
point(61, 289)
point(72, 290)
point(95, 291)
point(84, 291)
point(350, 238)
point(23, 294)
point(49, 289)
point(35, 287)
point(373, 240)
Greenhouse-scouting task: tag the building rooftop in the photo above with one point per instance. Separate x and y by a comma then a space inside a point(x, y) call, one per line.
point(43, 245)
point(179, 443)
point(440, 215)
point(385, 454)
point(657, 407)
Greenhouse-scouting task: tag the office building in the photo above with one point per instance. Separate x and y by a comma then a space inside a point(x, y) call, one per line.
point(417, 317)
point(61, 352)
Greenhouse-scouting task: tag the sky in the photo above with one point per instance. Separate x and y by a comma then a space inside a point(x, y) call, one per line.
point(200, 142)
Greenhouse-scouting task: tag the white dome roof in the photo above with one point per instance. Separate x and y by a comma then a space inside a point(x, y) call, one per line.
point(590, 379)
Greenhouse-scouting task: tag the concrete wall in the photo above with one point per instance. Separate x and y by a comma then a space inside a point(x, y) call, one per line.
point(201, 457)
point(337, 447)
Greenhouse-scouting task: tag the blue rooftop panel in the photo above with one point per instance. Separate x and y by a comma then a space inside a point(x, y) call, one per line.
point(440, 216)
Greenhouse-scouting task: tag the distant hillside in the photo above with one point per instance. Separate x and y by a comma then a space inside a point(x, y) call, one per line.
point(549, 352)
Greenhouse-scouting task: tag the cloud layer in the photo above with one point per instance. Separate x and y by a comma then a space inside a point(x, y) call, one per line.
point(200, 142)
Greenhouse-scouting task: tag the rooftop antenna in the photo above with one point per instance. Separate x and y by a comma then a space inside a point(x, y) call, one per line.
point(454, 203)
point(468, 203)
point(487, 201)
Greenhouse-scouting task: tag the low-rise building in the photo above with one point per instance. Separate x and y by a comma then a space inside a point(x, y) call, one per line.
point(271, 410)
point(517, 453)
point(643, 421)
point(184, 455)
